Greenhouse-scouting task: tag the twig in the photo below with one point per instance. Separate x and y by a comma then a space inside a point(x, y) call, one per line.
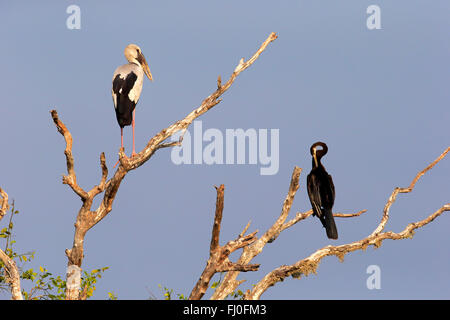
point(303, 215)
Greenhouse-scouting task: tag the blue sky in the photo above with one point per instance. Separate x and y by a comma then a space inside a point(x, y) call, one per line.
point(378, 98)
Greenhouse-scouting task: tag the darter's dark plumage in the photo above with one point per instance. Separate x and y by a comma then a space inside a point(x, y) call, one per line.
point(321, 190)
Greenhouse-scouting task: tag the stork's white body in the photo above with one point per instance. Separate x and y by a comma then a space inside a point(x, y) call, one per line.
point(123, 71)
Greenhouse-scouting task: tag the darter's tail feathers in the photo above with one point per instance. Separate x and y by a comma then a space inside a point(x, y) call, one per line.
point(329, 224)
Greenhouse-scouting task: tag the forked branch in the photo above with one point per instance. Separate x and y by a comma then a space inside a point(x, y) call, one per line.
point(219, 255)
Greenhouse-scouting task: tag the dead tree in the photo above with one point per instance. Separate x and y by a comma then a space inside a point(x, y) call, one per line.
point(252, 245)
point(88, 217)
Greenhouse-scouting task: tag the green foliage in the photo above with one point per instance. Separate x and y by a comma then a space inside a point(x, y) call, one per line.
point(215, 284)
point(90, 279)
point(7, 234)
point(238, 294)
point(112, 296)
point(43, 284)
point(168, 293)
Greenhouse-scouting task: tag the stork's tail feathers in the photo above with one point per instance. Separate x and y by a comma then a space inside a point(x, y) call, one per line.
point(328, 222)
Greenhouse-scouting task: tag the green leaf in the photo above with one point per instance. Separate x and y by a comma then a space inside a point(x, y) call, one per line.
point(112, 296)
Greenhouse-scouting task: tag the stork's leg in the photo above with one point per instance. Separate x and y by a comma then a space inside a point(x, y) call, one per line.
point(133, 153)
point(121, 143)
point(121, 137)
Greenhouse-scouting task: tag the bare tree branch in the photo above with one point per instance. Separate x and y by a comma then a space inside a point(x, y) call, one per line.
point(87, 218)
point(217, 218)
point(12, 274)
point(4, 207)
point(229, 283)
point(71, 178)
point(349, 215)
point(303, 215)
point(309, 264)
point(101, 186)
point(394, 194)
point(218, 256)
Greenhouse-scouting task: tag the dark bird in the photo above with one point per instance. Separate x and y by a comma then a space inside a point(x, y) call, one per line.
point(127, 87)
point(321, 190)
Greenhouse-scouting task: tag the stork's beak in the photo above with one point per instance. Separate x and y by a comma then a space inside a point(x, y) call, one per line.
point(144, 65)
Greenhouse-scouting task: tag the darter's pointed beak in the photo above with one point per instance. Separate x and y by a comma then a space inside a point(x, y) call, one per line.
point(315, 157)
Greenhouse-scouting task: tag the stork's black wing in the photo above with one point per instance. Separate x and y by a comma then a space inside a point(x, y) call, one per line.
point(123, 105)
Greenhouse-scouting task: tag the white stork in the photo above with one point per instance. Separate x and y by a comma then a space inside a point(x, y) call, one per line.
point(127, 87)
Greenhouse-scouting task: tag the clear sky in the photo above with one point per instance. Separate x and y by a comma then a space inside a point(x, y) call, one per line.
point(379, 98)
